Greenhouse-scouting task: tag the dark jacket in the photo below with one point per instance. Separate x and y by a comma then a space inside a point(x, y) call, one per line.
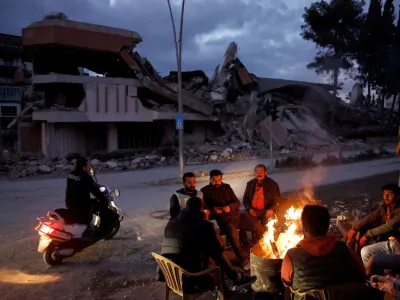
point(79, 187)
point(174, 206)
point(375, 226)
point(272, 193)
point(218, 197)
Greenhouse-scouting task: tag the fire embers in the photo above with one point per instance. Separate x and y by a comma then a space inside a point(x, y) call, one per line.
point(279, 238)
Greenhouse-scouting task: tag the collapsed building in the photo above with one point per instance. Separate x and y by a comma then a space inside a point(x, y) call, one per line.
point(130, 106)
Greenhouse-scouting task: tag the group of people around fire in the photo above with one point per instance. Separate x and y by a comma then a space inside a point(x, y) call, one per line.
point(318, 261)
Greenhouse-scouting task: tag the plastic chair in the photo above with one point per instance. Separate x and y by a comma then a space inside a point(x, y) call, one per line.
point(345, 291)
point(317, 293)
point(173, 278)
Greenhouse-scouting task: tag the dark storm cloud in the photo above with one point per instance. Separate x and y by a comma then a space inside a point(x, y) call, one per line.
point(267, 31)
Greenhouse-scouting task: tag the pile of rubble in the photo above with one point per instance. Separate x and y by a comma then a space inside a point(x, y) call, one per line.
point(344, 214)
point(290, 115)
point(28, 165)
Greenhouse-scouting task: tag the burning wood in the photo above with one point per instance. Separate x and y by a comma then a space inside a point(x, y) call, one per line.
point(277, 247)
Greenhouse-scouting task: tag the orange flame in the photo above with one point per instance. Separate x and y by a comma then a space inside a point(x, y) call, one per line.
point(285, 240)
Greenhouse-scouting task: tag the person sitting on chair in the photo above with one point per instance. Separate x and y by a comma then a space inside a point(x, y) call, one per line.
point(383, 224)
point(261, 196)
point(319, 260)
point(220, 199)
point(191, 241)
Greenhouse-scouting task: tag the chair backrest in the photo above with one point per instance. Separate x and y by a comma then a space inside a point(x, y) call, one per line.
point(345, 291)
point(317, 293)
point(172, 273)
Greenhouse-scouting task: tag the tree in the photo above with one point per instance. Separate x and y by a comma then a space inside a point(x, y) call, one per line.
point(394, 68)
point(386, 70)
point(367, 51)
point(334, 27)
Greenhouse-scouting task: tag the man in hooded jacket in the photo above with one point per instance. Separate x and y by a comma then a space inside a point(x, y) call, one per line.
point(319, 261)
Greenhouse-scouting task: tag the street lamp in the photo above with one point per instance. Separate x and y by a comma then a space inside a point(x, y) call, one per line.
point(178, 50)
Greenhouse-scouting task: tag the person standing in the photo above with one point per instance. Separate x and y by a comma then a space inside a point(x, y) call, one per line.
point(261, 196)
point(180, 197)
point(221, 201)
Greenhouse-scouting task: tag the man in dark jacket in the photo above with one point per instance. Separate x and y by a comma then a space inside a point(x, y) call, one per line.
point(319, 261)
point(190, 241)
point(221, 201)
point(180, 197)
point(260, 197)
point(79, 187)
point(382, 226)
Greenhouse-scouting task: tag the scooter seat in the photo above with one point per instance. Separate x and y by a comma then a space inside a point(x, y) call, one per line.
point(67, 216)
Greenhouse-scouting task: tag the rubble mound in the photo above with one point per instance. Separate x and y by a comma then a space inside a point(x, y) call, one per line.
point(223, 149)
point(55, 15)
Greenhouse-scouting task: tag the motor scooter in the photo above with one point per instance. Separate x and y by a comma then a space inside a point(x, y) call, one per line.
point(61, 237)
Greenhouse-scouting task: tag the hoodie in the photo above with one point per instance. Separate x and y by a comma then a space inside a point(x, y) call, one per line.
point(316, 246)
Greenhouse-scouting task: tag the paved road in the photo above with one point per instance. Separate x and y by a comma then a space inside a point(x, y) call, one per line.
point(124, 262)
point(29, 199)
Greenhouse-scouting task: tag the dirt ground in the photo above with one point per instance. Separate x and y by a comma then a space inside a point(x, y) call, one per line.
point(121, 268)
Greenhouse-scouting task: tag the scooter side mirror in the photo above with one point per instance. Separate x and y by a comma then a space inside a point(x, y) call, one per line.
point(117, 192)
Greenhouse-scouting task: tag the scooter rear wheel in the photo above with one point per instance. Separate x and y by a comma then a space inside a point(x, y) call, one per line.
point(51, 256)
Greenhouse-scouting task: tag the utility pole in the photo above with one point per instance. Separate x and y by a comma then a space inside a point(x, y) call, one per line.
point(179, 122)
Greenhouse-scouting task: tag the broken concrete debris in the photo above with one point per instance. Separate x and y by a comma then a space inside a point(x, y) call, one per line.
point(22, 165)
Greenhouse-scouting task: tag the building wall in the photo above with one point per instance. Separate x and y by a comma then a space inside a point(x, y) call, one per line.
point(10, 94)
point(114, 103)
point(62, 139)
point(195, 132)
point(30, 137)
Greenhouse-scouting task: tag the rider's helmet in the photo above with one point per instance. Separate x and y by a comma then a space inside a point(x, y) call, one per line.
point(82, 164)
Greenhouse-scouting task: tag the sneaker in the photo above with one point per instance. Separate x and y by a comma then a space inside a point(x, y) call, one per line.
point(246, 265)
point(243, 282)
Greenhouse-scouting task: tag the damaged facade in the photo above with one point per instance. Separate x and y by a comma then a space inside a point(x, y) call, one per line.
point(84, 114)
point(132, 107)
point(13, 73)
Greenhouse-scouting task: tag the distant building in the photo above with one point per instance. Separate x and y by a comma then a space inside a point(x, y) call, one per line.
point(99, 95)
point(388, 103)
point(11, 92)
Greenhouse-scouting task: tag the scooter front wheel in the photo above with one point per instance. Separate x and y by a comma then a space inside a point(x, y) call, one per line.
point(51, 256)
point(114, 231)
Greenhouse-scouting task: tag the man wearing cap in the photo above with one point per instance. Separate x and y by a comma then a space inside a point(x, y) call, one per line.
point(382, 226)
point(261, 196)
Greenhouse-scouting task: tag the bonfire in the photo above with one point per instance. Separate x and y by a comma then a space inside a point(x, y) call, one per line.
point(276, 242)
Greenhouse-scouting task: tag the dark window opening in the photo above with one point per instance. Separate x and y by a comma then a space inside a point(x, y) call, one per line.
point(140, 136)
point(188, 128)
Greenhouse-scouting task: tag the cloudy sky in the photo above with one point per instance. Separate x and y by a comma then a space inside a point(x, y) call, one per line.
point(266, 31)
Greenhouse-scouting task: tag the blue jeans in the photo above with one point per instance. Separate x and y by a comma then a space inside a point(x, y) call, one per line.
point(382, 261)
point(386, 247)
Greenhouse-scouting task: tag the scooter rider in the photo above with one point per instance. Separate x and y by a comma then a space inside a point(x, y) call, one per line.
point(80, 184)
